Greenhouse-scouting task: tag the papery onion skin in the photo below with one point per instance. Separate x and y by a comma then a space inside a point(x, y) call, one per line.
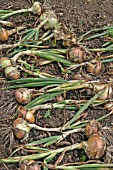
point(107, 90)
point(23, 95)
point(92, 127)
point(77, 55)
point(52, 19)
point(37, 8)
point(95, 147)
point(28, 115)
point(20, 134)
point(12, 73)
point(94, 67)
point(108, 106)
point(29, 165)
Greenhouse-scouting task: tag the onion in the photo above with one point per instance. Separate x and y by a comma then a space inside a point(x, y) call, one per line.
point(52, 20)
point(12, 73)
point(29, 165)
point(4, 34)
point(77, 55)
point(20, 134)
point(108, 106)
point(107, 94)
point(94, 67)
point(5, 62)
point(93, 127)
point(95, 147)
point(37, 8)
point(20, 128)
point(23, 95)
point(28, 115)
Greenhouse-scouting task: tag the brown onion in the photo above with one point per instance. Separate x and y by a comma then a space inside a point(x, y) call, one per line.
point(29, 165)
point(93, 127)
point(12, 73)
point(3, 34)
point(95, 147)
point(77, 55)
point(21, 128)
point(23, 95)
point(107, 93)
point(20, 134)
point(108, 106)
point(28, 115)
point(94, 67)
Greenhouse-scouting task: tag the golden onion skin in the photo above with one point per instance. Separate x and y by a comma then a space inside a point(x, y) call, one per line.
point(4, 34)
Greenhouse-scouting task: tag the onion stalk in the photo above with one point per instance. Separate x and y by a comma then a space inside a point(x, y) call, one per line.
point(55, 90)
point(7, 23)
point(44, 54)
point(52, 54)
point(36, 9)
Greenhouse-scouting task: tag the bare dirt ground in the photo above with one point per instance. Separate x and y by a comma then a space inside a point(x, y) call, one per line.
point(79, 16)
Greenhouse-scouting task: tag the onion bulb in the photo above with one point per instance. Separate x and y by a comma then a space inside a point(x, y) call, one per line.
point(108, 106)
point(12, 73)
point(29, 165)
point(5, 62)
point(94, 67)
point(20, 134)
point(20, 128)
point(28, 115)
point(4, 34)
point(37, 8)
point(52, 20)
point(93, 127)
point(95, 147)
point(77, 55)
point(107, 94)
point(23, 95)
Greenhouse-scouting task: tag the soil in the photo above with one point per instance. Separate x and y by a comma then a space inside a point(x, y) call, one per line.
point(79, 17)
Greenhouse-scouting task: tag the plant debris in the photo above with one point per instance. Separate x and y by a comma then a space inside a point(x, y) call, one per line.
point(60, 79)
